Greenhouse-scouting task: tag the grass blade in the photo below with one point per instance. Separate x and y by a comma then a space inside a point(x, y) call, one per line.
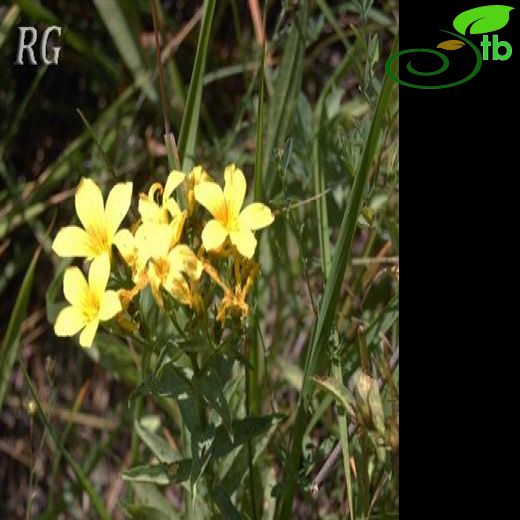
point(331, 18)
point(97, 143)
point(114, 18)
point(337, 372)
point(190, 120)
point(8, 22)
point(327, 313)
point(259, 131)
point(318, 172)
point(13, 333)
point(287, 87)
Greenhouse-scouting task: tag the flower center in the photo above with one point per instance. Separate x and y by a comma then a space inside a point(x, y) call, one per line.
point(91, 306)
point(100, 240)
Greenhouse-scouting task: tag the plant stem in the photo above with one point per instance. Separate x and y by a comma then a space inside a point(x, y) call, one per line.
point(249, 442)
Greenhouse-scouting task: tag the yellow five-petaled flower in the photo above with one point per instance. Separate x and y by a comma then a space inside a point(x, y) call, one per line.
point(229, 219)
point(100, 222)
point(90, 302)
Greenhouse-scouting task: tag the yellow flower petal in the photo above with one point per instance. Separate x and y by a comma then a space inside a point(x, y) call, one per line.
point(151, 213)
point(175, 178)
point(89, 206)
point(179, 289)
point(198, 174)
point(118, 204)
point(245, 242)
point(75, 286)
point(125, 243)
point(172, 207)
point(153, 241)
point(234, 190)
point(86, 338)
point(177, 225)
point(110, 305)
point(182, 258)
point(211, 196)
point(255, 216)
point(98, 275)
point(213, 235)
point(73, 241)
point(70, 321)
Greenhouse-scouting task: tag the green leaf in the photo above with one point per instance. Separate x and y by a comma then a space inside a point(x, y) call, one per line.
point(160, 474)
point(244, 430)
point(382, 323)
point(13, 333)
point(139, 512)
point(113, 16)
point(211, 388)
point(148, 496)
point(482, 20)
point(173, 382)
point(226, 507)
point(201, 450)
point(159, 447)
point(340, 392)
point(190, 120)
point(150, 474)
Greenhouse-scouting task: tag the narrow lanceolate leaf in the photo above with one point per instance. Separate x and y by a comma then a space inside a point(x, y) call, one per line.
point(211, 388)
point(149, 474)
point(160, 474)
point(159, 447)
point(190, 120)
point(339, 391)
point(286, 88)
point(13, 333)
point(327, 311)
point(114, 18)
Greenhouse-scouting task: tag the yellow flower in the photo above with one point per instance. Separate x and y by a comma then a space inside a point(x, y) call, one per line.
point(153, 213)
point(165, 266)
point(100, 222)
point(195, 177)
point(90, 302)
point(228, 217)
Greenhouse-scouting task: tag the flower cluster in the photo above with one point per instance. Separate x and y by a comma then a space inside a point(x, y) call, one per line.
point(171, 250)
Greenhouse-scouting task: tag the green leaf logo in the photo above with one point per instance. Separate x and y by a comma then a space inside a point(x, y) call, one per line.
point(481, 20)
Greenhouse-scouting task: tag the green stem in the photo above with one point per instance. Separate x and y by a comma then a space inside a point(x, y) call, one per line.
point(343, 431)
point(250, 442)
